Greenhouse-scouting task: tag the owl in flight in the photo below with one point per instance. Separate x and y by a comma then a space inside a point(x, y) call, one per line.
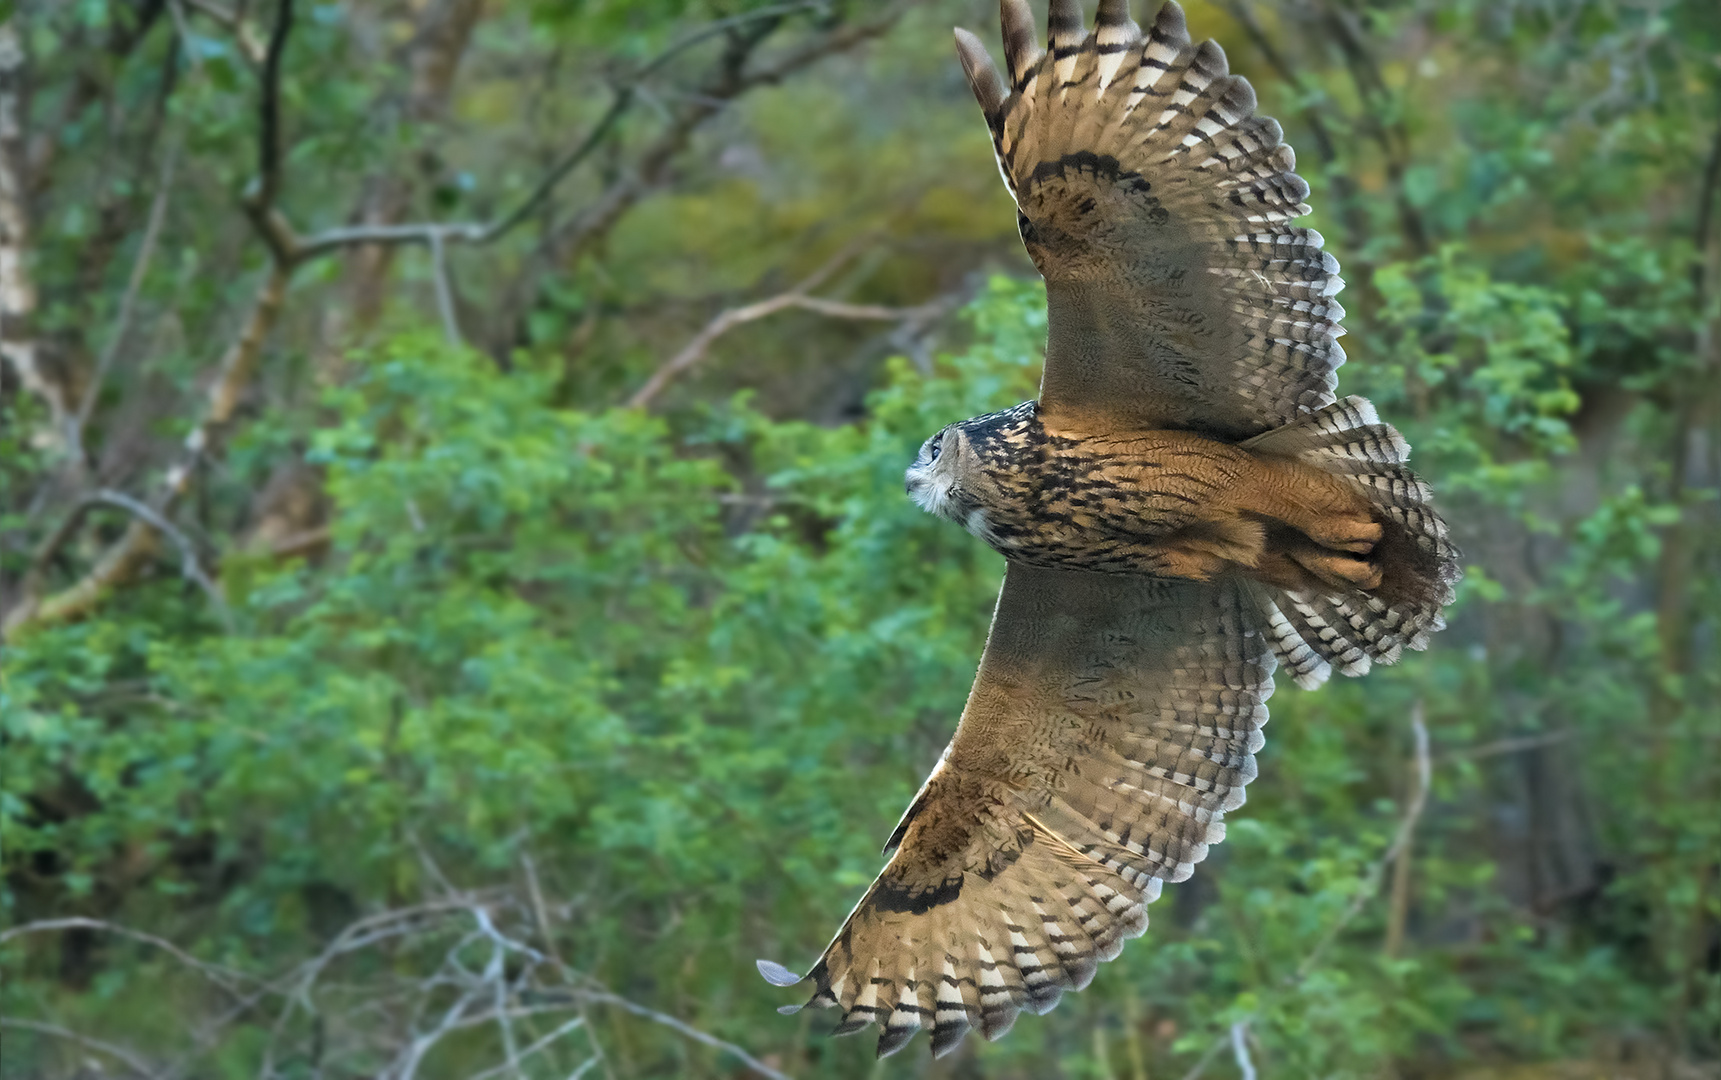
point(1185, 507)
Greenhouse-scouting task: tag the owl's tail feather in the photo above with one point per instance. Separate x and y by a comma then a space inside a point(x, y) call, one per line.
point(1350, 628)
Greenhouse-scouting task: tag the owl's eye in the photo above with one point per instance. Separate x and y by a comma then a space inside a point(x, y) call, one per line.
point(937, 445)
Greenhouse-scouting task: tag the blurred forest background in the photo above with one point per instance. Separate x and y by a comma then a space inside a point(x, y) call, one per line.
point(461, 606)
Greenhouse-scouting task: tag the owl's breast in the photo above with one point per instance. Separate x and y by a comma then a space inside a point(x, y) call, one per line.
point(1086, 502)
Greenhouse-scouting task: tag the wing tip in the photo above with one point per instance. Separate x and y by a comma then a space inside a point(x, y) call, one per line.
point(983, 77)
point(777, 975)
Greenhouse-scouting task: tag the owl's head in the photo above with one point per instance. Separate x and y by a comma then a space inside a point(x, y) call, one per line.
point(949, 479)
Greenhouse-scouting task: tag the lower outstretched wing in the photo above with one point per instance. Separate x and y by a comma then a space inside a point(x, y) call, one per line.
point(1159, 208)
point(1113, 722)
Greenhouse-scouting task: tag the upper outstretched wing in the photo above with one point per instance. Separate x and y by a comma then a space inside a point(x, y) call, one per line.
point(1158, 207)
point(1113, 722)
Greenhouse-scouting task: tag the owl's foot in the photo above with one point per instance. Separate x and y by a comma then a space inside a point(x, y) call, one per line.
point(1303, 567)
point(1357, 534)
point(1188, 563)
point(1339, 571)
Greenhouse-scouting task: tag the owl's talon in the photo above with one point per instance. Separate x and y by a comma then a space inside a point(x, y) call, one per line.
point(1357, 535)
point(1339, 571)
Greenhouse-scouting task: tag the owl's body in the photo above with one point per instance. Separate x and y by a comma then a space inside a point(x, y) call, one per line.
point(1185, 507)
point(1168, 503)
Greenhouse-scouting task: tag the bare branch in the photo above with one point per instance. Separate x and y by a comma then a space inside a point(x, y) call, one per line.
point(122, 322)
point(131, 1060)
point(233, 377)
point(480, 233)
point(501, 993)
point(18, 342)
point(226, 978)
point(1240, 1049)
point(300, 543)
point(1400, 843)
point(127, 555)
point(686, 1029)
point(189, 565)
point(444, 291)
point(731, 82)
point(297, 985)
point(1504, 746)
point(695, 350)
point(269, 109)
point(513, 1064)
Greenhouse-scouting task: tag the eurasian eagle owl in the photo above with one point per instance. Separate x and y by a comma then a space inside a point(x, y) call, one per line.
point(1184, 507)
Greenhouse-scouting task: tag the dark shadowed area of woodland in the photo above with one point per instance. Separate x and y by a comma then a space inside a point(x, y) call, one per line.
point(461, 607)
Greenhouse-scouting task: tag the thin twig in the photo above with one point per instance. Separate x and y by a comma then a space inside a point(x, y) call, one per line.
point(480, 233)
point(514, 1063)
point(414, 1053)
point(226, 978)
point(696, 349)
point(131, 1060)
point(541, 911)
point(122, 321)
point(431, 866)
point(586, 1066)
point(495, 977)
point(688, 1030)
point(296, 986)
point(1504, 746)
point(1400, 841)
point(1240, 1049)
point(444, 291)
point(131, 552)
point(189, 564)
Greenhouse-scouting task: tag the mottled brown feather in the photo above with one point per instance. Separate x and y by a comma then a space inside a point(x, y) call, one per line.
point(1158, 207)
point(1113, 722)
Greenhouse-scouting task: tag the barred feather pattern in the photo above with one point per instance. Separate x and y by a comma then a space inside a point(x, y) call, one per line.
point(1112, 725)
point(1159, 208)
point(1314, 633)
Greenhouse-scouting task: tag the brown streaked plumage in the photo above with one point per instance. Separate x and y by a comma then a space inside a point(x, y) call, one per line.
point(1185, 506)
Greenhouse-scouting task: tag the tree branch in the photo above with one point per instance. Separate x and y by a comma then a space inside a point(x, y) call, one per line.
point(269, 109)
point(131, 1060)
point(607, 998)
point(226, 978)
point(133, 549)
point(480, 233)
point(18, 298)
point(1504, 746)
point(190, 566)
point(444, 290)
point(122, 322)
point(695, 350)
